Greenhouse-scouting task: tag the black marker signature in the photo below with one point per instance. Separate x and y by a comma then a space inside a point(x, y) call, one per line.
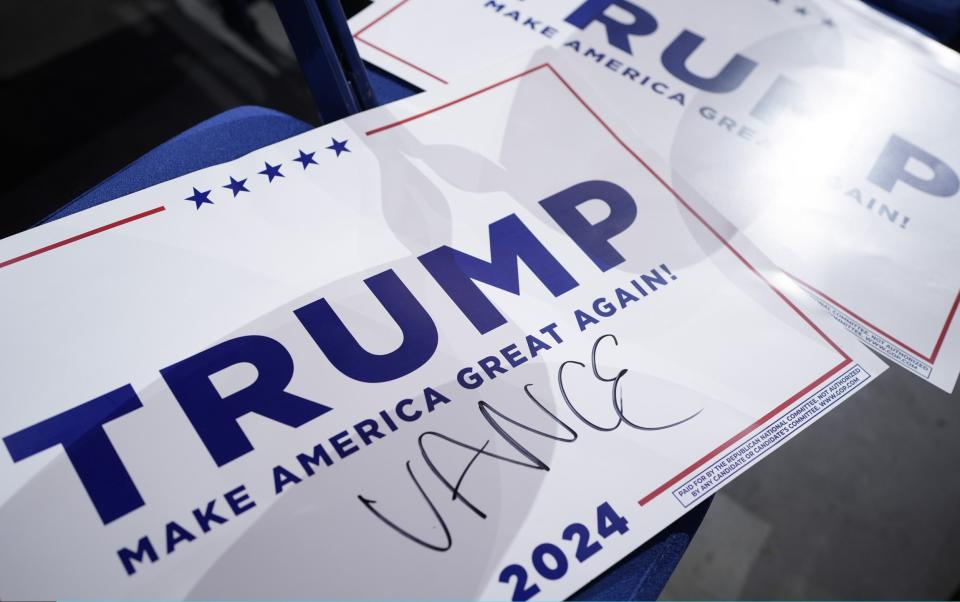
point(493, 416)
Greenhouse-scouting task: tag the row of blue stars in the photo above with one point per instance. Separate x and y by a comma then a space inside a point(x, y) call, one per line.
point(202, 197)
point(803, 11)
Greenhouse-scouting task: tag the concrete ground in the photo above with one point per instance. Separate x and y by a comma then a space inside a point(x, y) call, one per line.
point(864, 505)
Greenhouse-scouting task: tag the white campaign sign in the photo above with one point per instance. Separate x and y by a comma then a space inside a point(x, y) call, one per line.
point(826, 133)
point(321, 371)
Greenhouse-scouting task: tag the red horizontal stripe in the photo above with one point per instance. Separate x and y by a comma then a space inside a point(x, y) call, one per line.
point(81, 236)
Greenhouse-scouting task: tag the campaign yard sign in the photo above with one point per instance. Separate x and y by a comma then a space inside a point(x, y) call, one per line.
point(471, 345)
point(824, 131)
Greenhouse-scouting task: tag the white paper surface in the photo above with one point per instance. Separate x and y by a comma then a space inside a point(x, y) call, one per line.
point(819, 143)
point(716, 341)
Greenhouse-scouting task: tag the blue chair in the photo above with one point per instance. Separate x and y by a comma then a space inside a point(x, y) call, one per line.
point(938, 19)
point(227, 136)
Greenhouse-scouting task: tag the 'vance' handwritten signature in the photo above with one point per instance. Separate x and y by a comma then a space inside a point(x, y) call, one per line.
point(493, 416)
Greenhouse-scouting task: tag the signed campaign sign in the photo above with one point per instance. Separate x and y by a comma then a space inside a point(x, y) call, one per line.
point(824, 131)
point(471, 345)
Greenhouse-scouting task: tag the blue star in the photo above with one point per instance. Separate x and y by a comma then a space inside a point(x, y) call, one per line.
point(306, 159)
point(339, 147)
point(237, 186)
point(199, 197)
point(271, 171)
point(801, 11)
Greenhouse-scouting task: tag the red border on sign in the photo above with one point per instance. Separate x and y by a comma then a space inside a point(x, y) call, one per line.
point(81, 236)
point(357, 37)
point(936, 348)
point(846, 361)
point(943, 333)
